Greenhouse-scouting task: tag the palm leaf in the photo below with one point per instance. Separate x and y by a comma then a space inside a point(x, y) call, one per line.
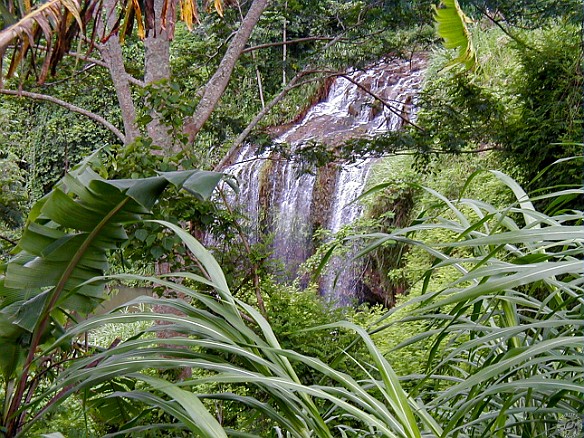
point(200, 421)
point(60, 22)
point(47, 16)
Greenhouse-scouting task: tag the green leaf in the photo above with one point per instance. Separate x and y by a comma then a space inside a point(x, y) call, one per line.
point(141, 234)
point(200, 183)
point(11, 358)
point(63, 250)
point(144, 120)
point(451, 26)
point(156, 252)
point(202, 422)
point(168, 243)
point(521, 196)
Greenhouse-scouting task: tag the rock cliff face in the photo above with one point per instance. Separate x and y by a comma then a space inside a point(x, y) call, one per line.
point(291, 202)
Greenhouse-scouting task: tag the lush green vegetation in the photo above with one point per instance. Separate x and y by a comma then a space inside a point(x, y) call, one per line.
point(499, 312)
point(472, 323)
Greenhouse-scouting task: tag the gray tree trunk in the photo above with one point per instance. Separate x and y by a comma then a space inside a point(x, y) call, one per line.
point(111, 52)
point(156, 68)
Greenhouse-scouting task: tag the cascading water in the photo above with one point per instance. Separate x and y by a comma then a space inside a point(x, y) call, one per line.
point(340, 279)
point(247, 170)
point(291, 201)
point(292, 232)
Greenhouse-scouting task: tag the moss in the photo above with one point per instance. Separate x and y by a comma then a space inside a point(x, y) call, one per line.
point(323, 195)
point(265, 195)
point(383, 280)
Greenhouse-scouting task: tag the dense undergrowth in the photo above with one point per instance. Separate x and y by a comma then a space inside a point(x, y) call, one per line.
point(492, 284)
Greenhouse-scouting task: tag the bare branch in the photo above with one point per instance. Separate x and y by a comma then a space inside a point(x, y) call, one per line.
point(85, 68)
point(90, 63)
point(95, 117)
point(86, 58)
point(12, 242)
point(383, 101)
point(285, 43)
point(226, 161)
point(103, 64)
point(111, 53)
point(505, 30)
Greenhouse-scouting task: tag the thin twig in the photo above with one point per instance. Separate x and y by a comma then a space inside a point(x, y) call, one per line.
point(383, 101)
point(497, 23)
point(95, 117)
point(12, 242)
point(285, 43)
point(241, 138)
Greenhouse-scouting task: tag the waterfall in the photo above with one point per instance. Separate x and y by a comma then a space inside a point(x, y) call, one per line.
point(249, 172)
point(340, 280)
point(292, 202)
point(292, 230)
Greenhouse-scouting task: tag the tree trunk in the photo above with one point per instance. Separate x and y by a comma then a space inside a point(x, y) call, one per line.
point(156, 68)
point(218, 83)
point(284, 46)
point(111, 52)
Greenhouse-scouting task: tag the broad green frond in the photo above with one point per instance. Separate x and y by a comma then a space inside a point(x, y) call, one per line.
point(451, 26)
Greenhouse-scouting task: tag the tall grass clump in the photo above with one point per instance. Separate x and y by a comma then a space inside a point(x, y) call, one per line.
point(504, 335)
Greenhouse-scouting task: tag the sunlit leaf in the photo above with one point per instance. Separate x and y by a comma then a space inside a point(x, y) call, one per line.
point(451, 25)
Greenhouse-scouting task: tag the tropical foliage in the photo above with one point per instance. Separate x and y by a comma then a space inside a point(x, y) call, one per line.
point(59, 23)
point(451, 26)
point(482, 332)
point(70, 262)
point(504, 334)
point(65, 243)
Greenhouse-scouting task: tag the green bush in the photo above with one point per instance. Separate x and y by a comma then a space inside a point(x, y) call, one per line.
point(524, 101)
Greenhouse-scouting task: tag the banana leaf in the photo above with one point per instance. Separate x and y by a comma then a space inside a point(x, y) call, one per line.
point(66, 241)
point(451, 26)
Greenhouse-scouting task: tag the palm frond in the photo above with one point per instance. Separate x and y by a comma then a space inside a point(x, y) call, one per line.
point(58, 21)
point(57, 24)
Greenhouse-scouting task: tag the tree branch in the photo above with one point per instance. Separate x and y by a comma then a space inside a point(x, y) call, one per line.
point(218, 82)
point(12, 242)
point(95, 117)
point(497, 23)
point(292, 84)
point(226, 161)
point(157, 68)
point(285, 43)
point(383, 102)
point(90, 61)
point(103, 64)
